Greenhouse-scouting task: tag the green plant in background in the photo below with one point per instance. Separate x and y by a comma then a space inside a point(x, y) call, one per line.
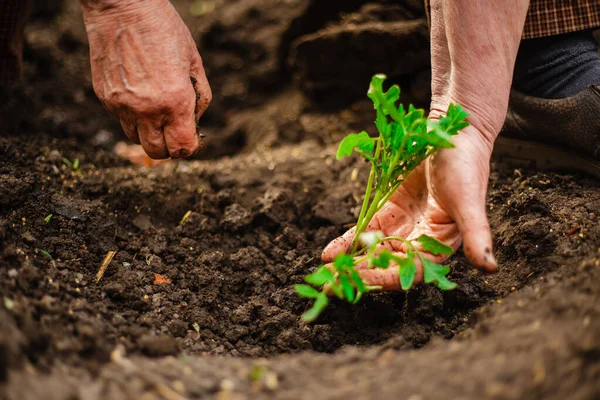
point(72, 165)
point(406, 138)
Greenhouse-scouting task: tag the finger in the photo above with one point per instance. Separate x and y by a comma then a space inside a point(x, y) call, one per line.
point(388, 279)
point(338, 246)
point(180, 130)
point(343, 243)
point(201, 86)
point(152, 140)
point(135, 154)
point(131, 130)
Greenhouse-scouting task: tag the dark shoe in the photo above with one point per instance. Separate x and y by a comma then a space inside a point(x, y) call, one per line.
point(561, 135)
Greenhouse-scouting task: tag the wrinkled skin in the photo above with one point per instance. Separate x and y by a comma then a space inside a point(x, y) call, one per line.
point(143, 60)
point(471, 41)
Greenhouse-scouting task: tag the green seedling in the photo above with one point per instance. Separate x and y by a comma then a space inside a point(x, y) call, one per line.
point(406, 139)
point(46, 253)
point(48, 218)
point(72, 165)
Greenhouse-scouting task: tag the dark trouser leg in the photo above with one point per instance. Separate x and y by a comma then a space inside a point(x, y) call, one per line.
point(13, 17)
point(557, 67)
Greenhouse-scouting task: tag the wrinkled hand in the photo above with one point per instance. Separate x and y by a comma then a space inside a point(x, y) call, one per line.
point(146, 70)
point(443, 198)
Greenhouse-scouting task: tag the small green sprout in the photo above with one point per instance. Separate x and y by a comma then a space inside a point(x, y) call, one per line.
point(257, 372)
point(406, 139)
point(72, 165)
point(9, 303)
point(48, 218)
point(46, 253)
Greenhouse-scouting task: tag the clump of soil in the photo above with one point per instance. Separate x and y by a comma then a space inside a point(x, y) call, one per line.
point(208, 251)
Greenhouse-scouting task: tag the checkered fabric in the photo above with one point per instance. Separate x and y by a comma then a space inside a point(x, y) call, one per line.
point(13, 17)
point(553, 17)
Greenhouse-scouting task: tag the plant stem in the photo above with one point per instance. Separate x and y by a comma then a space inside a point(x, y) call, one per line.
point(364, 223)
point(368, 191)
point(408, 242)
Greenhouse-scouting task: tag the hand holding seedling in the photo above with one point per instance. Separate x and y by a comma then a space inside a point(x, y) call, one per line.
point(441, 198)
point(399, 237)
point(147, 71)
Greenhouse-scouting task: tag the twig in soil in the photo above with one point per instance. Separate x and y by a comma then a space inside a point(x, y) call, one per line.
point(185, 217)
point(107, 259)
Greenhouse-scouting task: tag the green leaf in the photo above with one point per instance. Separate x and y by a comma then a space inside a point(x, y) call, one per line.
point(382, 260)
point(317, 308)
point(455, 119)
point(67, 162)
point(375, 92)
point(436, 274)
point(384, 102)
point(437, 136)
point(337, 289)
point(48, 218)
point(347, 287)
point(434, 246)
point(362, 141)
point(396, 136)
point(381, 122)
point(307, 291)
point(407, 271)
point(360, 284)
point(343, 261)
point(46, 253)
point(320, 277)
point(393, 94)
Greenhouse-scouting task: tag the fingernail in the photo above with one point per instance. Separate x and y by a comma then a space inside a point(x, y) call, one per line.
point(491, 263)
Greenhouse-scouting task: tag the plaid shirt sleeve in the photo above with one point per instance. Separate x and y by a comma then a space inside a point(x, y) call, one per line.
point(553, 17)
point(13, 17)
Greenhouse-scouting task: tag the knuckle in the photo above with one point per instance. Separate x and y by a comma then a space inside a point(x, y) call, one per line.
point(183, 148)
point(208, 96)
point(156, 154)
point(205, 99)
point(201, 144)
point(150, 106)
point(154, 149)
point(180, 152)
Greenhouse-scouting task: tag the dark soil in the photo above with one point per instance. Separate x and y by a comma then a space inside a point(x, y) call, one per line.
point(261, 202)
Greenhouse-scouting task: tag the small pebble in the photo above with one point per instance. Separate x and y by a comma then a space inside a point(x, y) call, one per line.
point(227, 385)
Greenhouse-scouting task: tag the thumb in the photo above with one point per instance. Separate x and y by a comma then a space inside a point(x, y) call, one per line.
point(338, 246)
